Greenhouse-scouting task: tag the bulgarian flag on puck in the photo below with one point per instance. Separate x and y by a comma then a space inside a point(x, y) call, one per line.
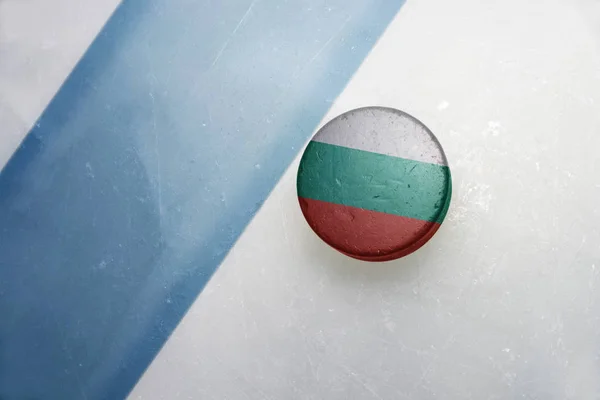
point(374, 184)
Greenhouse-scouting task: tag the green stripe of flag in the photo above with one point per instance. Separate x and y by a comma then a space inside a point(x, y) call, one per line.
point(374, 182)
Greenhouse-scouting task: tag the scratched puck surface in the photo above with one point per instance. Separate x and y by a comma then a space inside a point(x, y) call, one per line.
point(374, 184)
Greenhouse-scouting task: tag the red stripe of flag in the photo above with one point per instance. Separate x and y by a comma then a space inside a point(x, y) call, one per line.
point(364, 234)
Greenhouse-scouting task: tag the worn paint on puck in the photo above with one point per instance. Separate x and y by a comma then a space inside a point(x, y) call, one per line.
point(374, 184)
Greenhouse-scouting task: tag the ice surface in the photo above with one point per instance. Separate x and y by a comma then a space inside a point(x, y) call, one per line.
point(502, 303)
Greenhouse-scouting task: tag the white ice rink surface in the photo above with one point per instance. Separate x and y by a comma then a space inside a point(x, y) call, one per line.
point(40, 43)
point(503, 303)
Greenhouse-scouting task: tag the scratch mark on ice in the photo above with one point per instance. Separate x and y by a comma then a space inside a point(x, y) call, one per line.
point(430, 366)
point(228, 40)
point(318, 53)
point(157, 151)
point(357, 378)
